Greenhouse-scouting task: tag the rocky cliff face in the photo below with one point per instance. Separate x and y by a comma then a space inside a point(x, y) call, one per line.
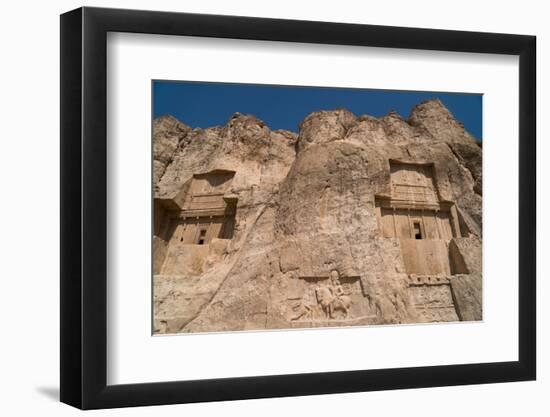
point(354, 221)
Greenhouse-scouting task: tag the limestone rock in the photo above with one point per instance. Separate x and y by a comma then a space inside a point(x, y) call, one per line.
point(324, 126)
point(352, 221)
point(436, 119)
point(168, 132)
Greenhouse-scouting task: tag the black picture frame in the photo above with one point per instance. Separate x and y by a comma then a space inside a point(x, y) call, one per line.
point(84, 207)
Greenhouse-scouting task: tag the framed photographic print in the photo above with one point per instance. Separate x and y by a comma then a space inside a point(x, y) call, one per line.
point(257, 208)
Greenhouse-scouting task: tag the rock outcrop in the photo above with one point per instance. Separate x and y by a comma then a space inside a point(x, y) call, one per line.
point(352, 221)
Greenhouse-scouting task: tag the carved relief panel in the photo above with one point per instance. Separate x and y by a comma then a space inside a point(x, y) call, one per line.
point(325, 299)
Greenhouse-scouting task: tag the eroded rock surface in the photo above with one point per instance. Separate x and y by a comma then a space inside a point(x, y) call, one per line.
point(352, 221)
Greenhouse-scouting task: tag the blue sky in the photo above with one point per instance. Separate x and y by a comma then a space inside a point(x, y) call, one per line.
point(199, 104)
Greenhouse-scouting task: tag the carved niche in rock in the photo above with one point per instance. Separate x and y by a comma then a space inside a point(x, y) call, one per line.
point(416, 215)
point(425, 224)
point(207, 212)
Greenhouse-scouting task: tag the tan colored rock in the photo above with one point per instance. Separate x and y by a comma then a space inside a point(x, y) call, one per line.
point(354, 221)
point(168, 132)
point(324, 126)
point(437, 120)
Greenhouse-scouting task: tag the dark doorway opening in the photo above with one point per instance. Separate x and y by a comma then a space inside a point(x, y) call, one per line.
point(417, 230)
point(202, 237)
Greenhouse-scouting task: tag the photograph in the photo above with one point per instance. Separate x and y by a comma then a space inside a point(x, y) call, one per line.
point(268, 209)
point(284, 207)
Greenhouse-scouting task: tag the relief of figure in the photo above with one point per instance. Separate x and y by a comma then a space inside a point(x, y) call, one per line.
point(302, 311)
point(332, 298)
point(341, 301)
point(325, 299)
